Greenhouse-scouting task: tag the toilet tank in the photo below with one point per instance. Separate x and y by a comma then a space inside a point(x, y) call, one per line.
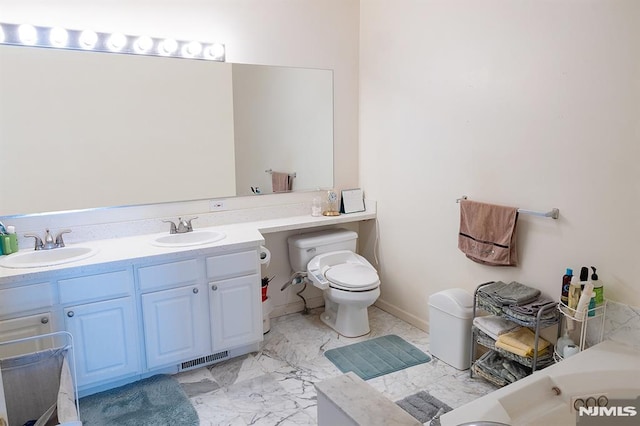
point(303, 247)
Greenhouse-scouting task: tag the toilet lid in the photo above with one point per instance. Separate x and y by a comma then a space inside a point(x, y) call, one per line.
point(352, 276)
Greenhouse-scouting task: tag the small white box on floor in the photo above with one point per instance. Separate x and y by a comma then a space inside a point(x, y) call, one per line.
point(450, 319)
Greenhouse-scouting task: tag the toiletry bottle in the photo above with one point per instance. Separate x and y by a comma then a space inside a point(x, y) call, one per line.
point(583, 303)
point(13, 239)
point(574, 293)
point(566, 281)
point(5, 242)
point(592, 305)
point(563, 342)
point(584, 275)
point(598, 288)
point(316, 207)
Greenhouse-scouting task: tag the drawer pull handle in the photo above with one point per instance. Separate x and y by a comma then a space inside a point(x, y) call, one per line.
point(70, 314)
point(214, 287)
point(195, 291)
point(44, 320)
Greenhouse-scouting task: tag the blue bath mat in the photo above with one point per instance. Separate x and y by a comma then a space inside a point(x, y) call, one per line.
point(377, 357)
point(156, 401)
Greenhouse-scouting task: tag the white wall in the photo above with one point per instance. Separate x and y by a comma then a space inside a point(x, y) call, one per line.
point(534, 104)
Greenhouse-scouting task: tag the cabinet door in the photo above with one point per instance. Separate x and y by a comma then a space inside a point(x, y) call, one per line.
point(236, 312)
point(21, 327)
point(105, 339)
point(176, 325)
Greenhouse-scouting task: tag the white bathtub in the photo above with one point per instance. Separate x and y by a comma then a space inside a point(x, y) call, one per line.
point(547, 397)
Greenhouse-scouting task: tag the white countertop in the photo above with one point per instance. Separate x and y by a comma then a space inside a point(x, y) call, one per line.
point(139, 248)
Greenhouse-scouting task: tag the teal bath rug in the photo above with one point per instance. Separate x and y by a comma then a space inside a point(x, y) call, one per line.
point(377, 357)
point(424, 407)
point(156, 401)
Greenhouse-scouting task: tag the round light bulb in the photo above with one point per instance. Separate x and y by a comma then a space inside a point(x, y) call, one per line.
point(215, 51)
point(27, 34)
point(168, 46)
point(143, 44)
point(58, 37)
point(88, 39)
point(116, 42)
point(192, 49)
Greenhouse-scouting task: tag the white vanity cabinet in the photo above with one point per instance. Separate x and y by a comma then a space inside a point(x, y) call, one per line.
point(175, 312)
point(99, 311)
point(235, 299)
point(26, 311)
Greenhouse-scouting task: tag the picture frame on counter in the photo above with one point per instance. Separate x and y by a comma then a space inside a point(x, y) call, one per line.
point(352, 201)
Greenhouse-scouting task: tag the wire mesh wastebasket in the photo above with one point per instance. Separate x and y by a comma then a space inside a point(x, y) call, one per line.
point(40, 386)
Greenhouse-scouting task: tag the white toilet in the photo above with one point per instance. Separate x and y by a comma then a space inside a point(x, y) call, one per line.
point(350, 284)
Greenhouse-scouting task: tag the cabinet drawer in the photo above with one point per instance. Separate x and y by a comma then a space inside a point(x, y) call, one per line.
point(93, 287)
point(168, 274)
point(232, 265)
point(26, 298)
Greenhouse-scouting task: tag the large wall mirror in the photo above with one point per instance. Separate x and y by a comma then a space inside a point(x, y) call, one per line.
point(84, 130)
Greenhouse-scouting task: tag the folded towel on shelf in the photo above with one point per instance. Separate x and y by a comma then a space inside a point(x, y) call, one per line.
point(521, 342)
point(494, 326)
point(532, 308)
point(513, 293)
point(488, 233)
point(497, 369)
point(527, 314)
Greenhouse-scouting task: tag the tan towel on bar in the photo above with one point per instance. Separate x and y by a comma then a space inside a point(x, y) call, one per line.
point(488, 233)
point(281, 181)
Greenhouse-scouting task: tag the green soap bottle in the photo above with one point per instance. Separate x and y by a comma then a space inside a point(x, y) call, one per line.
point(6, 244)
point(13, 239)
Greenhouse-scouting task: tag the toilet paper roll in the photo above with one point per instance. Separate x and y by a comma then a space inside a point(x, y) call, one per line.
point(265, 256)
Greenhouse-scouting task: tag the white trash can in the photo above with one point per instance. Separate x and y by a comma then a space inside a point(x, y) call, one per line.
point(450, 318)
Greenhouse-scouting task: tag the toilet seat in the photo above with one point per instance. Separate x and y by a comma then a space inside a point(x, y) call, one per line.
point(342, 270)
point(349, 276)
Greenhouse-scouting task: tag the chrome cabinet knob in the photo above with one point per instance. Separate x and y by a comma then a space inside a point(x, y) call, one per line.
point(44, 320)
point(214, 287)
point(70, 314)
point(195, 291)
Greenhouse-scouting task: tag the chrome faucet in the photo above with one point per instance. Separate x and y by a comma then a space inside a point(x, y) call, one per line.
point(49, 242)
point(183, 226)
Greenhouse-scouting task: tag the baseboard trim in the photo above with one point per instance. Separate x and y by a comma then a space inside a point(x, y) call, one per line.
point(403, 315)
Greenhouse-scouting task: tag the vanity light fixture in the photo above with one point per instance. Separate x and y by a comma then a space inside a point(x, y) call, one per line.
point(191, 49)
point(168, 47)
point(88, 39)
point(58, 37)
point(143, 44)
point(116, 42)
point(29, 35)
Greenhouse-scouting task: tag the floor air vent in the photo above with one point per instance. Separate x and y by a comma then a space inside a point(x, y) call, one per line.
point(187, 365)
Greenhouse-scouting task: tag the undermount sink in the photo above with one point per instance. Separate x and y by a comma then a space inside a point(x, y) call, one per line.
point(192, 238)
point(40, 258)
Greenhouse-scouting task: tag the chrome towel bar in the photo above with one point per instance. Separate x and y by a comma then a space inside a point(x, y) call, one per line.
point(553, 213)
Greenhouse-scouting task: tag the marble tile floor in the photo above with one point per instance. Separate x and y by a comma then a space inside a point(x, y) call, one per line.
point(275, 386)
